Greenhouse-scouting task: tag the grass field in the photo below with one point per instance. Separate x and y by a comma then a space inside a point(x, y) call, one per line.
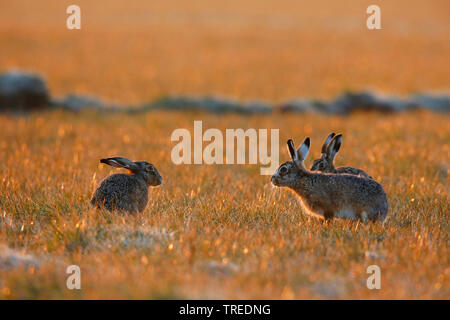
point(220, 231)
point(223, 231)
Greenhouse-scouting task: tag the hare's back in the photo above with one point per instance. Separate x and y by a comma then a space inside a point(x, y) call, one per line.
point(353, 171)
point(119, 182)
point(350, 187)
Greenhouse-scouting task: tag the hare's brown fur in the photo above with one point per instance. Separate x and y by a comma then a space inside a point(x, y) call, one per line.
point(330, 195)
point(126, 192)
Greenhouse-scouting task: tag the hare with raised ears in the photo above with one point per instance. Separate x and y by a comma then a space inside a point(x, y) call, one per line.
point(126, 192)
point(327, 195)
point(325, 163)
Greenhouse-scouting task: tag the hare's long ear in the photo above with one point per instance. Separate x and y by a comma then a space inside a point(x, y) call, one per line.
point(120, 162)
point(292, 150)
point(334, 146)
point(327, 142)
point(294, 154)
point(303, 150)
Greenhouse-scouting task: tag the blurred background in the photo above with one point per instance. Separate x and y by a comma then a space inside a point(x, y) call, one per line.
point(135, 50)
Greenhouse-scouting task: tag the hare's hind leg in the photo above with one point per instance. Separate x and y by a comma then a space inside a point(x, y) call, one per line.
point(327, 218)
point(364, 217)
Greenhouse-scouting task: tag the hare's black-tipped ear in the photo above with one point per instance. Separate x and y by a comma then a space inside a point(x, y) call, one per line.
point(338, 143)
point(334, 146)
point(327, 142)
point(303, 150)
point(119, 162)
point(291, 149)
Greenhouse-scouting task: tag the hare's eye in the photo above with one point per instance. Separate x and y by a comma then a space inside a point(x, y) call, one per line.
point(283, 170)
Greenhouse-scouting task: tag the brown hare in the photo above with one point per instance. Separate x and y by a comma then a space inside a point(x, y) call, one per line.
point(126, 192)
point(328, 195)
point(325, 163)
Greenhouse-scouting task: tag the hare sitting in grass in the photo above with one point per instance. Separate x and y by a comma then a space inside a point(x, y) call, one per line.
point(126, 192)
point(328, 195)
point(325, 163)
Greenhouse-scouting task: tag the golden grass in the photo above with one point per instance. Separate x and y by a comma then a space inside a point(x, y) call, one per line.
point(220, 231)
point(223, 231)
